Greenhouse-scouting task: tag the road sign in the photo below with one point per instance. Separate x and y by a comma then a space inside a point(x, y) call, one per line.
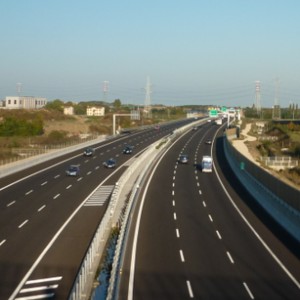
point(213, 113)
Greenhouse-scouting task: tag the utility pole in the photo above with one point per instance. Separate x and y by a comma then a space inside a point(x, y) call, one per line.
point(105, 90)
point(19, 88)
point(257, 97)
point(276, 107)
point(147, 108)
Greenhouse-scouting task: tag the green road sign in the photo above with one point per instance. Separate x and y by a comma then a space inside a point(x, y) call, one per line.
point(213, 113)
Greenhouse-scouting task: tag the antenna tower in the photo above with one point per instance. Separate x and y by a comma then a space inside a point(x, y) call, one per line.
point(276, 107)
point(19, 88)
point(257, 97)
point(147, 108)
point(105, 90)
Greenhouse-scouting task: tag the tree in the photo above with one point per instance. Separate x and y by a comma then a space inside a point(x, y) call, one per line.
point(56, 105)
point(117, 103)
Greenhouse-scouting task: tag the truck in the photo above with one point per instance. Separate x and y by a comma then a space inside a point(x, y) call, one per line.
point(219, 121)
point(206, 164)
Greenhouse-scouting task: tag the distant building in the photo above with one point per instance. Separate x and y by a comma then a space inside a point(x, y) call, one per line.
point(95, 111)
point(69, 110)
point(25, 102)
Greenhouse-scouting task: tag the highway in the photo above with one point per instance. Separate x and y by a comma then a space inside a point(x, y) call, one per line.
point(45, 223)
point(194, 236)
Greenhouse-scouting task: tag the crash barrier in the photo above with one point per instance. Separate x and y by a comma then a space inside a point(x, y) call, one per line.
point(40, 157)
point(279, 200)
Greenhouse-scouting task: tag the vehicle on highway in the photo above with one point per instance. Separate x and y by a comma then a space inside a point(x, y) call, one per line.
point(183, 159)
point(73, 170)
point(208, 142)
point(89, 152)
point(110, 163)
point(128, 149)
point(206, 164)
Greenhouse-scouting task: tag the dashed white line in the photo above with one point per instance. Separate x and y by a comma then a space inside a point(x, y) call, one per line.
point(88, 173)
point(173, 184)
point(230, 257)
point(174, 215)
point(248, 290)
point(173, 193)
point(200, 192)
point(2, 242)
point(29, 192)
point(210, 217)
point(173, 177)
point(198, 184)
point(11, 203)
point(41, 208)
point(189, 287)
point(181, 256)
point(56, 196)
point(173, 202)
point(204, 204)
point(55, 177)
point(79, 178)
point(21, 225)
point(69, 186)
point(177, 233)
point(218, 234)
point(45, 182)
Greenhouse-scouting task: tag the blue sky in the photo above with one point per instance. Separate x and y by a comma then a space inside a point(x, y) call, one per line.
point(193, 51)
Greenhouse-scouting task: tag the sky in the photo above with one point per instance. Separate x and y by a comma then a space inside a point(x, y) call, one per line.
point(193, 52)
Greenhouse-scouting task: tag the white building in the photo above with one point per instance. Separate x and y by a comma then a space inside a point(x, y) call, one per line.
point(69, 110)
point(95, 111)
point(25, 102)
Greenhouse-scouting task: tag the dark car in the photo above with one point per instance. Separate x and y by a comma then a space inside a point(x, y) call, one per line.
point(110, 163)
point(88, 152)
point(73, 170)
point(183, 159)
point(127, 150)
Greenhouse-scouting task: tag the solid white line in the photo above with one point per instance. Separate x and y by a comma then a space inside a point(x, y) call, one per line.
point(41, 208)
point(11, 203)
point(39, 288)
point(190, 289)
point(2, 242)
point(44, 280)
point(230, 258)
point(177, 233)
point(219, 235)
point(248, 290)
point(181, 255)
point(21, 225)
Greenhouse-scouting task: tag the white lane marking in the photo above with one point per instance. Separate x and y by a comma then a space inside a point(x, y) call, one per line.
point(189, 287)
point(97, 167)
point(181, 255)
point(11, 203)
point(29, 192)
point(204, 204)
point(21, 225)
point(56, 196)
point(198, 184)
point(41, 208)
point(45, 182)
point(2, 242)
point(219, 235)
point(44, 280)
point(88, 173)
point(39, 288)
point(196, 177)
point(69, 186)
point(56, 176)
point(200, 192)
point(173, 202)
point(210, 217)
point(230, 257)
point(248, 290)
point(177, 233)
point(174, 215)
point(173, 193)
point(173, 177)
point(79, 178)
